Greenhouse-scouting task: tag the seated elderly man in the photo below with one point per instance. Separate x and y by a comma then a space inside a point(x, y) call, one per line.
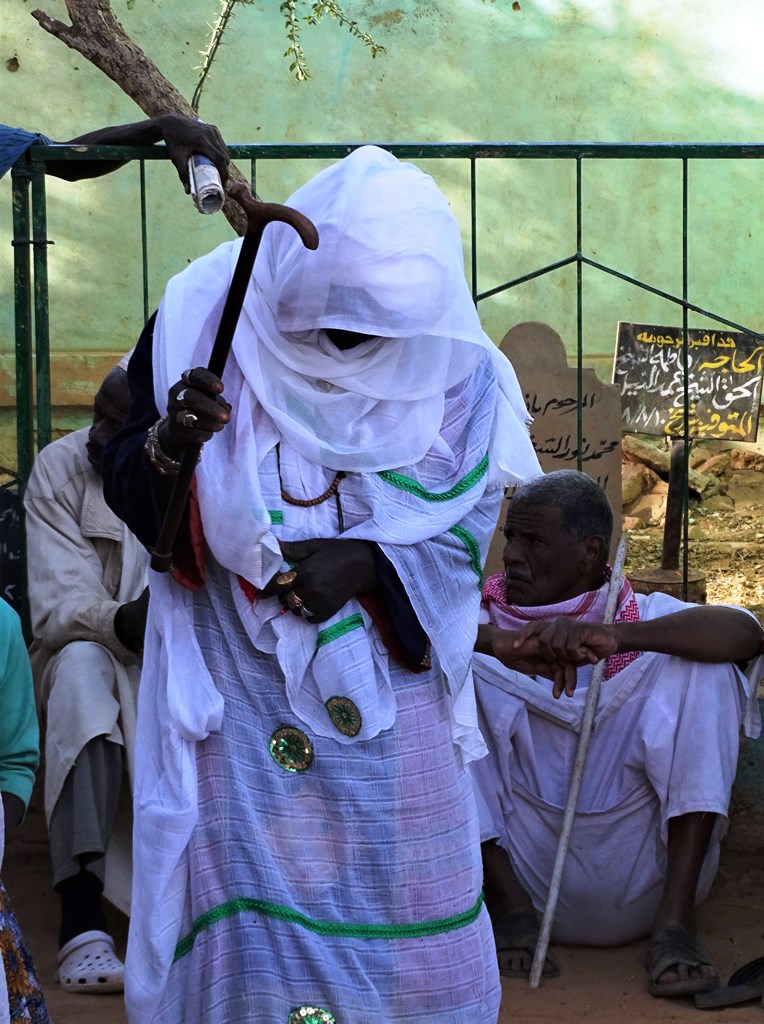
point(88, 601)
point(662, 758)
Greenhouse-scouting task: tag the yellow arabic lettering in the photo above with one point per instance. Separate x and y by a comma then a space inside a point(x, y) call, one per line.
point(714, 364)
point(747, 365)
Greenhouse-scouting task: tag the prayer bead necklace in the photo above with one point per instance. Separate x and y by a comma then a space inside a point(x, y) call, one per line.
point(332, 489)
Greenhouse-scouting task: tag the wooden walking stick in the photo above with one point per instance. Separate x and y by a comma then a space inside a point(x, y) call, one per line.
point(259, 215)
point(587, 723)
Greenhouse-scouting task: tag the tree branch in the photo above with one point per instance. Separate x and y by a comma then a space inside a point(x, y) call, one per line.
point(96, 34)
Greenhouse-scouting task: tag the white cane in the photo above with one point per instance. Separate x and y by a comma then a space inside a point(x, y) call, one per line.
point(587, 722)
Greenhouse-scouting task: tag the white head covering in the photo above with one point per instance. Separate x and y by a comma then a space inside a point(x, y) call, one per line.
point(389, 264)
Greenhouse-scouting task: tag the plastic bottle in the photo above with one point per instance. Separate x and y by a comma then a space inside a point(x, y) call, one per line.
point(206, 186)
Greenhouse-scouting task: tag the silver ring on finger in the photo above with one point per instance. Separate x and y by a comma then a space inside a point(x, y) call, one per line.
point(181, 396)
point(186, 419)
point(186, 376)
point(293, 601)
point(306, 614)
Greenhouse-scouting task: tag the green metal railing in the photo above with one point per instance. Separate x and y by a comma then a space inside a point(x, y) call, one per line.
point(31, 245)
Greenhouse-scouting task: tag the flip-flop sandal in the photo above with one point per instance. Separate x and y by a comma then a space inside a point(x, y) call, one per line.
point(89, 963)
point(518, 932)
point(676, 947)
point(745, 985)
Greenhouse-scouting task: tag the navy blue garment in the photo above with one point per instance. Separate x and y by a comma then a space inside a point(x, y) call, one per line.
point(14, 142)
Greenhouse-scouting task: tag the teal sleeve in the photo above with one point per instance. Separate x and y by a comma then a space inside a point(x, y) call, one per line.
point(19, 728)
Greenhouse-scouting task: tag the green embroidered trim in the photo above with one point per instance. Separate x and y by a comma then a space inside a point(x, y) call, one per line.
point(277, 517)
point(339, 629)
point(473, 549)
point(347, 931)
point(405, 483)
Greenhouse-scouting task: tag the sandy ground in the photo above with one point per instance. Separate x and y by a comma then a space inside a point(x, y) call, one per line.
point(596, 986)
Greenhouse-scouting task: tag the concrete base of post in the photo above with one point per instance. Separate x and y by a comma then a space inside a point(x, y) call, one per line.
point(670, 581)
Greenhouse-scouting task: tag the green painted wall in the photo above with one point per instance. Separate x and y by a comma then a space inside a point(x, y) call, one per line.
point(454, 70)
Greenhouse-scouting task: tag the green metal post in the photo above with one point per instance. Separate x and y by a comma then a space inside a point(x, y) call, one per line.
point(22, 275)
point(41, 308)
point(579, 321)
point(686, 396)
point(144, 241)
point(473, 228)
point(22, 285)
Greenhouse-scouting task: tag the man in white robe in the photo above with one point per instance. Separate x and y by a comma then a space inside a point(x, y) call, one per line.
point(661, 761)
point(306, 832)
point(88, 601)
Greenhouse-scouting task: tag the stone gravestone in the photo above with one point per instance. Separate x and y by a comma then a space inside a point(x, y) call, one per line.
point(550, 388)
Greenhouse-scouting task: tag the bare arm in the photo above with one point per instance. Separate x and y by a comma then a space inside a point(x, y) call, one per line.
point(705, 633)
point(183, 136)
point(507, 646)
point(500, 644)
point(555, 648)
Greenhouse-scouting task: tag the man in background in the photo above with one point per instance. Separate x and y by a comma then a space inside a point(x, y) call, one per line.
point(662, 758)
point(88, 602)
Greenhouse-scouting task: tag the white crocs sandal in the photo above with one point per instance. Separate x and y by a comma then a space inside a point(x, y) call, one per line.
point(89, 963)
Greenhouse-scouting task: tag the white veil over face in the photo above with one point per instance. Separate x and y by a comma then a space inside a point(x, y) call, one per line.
point(389, 265)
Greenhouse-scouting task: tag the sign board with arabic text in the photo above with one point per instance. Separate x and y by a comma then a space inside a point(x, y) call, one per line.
point(723, 373)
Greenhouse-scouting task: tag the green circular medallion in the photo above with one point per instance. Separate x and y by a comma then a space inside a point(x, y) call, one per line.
point(291, 749)
point(344, 715)
point(310, 1015)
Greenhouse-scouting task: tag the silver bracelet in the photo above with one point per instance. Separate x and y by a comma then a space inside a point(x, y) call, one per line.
point(161, 462)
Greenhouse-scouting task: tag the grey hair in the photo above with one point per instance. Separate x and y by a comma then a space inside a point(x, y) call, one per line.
point(586, 509)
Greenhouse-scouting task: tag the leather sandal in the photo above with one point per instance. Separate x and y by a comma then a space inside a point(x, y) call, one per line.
point(678, 948)
point(516, 935)
point(744, 986)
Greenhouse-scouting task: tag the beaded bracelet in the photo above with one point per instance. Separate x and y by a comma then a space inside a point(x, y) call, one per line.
point(161, 462)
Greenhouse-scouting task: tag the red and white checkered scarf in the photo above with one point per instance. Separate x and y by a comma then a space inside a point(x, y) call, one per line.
point(587, 607)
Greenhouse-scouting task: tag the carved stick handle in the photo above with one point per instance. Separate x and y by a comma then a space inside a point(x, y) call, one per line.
point(259, 215)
